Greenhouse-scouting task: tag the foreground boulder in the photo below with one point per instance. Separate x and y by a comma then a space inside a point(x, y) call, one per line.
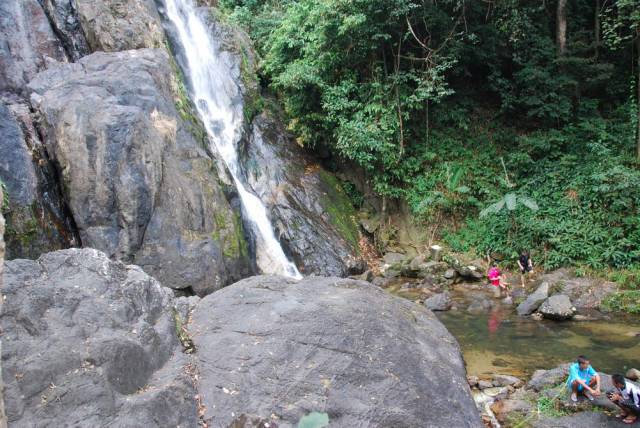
point(274, 350)
point(91, 342)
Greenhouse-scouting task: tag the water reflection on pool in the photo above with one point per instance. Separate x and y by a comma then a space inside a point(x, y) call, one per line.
point(501, 342)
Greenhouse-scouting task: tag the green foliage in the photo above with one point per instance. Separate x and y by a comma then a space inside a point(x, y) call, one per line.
point(4, 202)
point(340, 211)
point(623, 301)
point(460, 108)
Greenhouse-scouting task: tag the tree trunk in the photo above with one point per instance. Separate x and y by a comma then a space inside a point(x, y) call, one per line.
point(596, 32)
point(638, 98)
point(561, 27)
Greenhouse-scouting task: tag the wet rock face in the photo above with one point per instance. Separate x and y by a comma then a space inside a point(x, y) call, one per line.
point(311, 214)
point(91, 342)
point(328, 345)
point(117, 25)
point(36, 217)
point(140, 186)
point(29, 44)
point(63, 17)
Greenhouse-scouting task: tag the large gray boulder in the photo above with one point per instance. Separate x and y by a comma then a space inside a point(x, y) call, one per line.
point(137, 174)
point(273, 349)
point(28, 44)
point(585, 292)
point(534, 300)
point(91, 342)
point(117, 25)
point(557, 307)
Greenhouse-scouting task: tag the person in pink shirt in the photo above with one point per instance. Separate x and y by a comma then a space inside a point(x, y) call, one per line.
point(495, 277)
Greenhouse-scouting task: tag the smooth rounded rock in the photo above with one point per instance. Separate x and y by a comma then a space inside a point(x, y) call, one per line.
point(557, 307)
point(272, 347)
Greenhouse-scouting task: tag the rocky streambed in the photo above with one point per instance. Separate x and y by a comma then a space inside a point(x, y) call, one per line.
point(516, 348)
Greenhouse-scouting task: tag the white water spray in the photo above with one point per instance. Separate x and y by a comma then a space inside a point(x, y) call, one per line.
point(215, 95)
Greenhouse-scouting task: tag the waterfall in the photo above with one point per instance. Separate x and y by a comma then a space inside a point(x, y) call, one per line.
point(218, 100)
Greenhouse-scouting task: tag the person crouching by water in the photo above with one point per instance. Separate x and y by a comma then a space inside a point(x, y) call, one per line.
point(495, 278)
point(583, 379)
point(525, 265)
point(626, 396)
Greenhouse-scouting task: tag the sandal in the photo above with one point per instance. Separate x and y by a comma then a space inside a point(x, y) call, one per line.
point(629, 419)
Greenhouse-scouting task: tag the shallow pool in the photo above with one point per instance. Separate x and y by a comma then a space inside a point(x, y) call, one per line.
point(501, 342)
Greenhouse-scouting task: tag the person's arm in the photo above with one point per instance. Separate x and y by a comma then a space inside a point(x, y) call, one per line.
point(520, 265)
point(597, 390)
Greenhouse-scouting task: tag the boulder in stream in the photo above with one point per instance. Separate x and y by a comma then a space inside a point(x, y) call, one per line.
point(534, 300)
point(439, 302)
point(557, 307)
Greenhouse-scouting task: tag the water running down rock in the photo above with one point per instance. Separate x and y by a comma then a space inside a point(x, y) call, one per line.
point(219, 102)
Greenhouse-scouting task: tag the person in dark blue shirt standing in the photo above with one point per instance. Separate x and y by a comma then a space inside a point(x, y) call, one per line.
point(583, 379)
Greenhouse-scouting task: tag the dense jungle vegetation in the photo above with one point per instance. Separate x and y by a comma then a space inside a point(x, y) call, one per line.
point(513, 123)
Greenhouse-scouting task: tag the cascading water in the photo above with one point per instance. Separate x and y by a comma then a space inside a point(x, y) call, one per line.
point(215, 95)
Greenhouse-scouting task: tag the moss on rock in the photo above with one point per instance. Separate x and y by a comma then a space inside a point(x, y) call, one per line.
point(337, 205)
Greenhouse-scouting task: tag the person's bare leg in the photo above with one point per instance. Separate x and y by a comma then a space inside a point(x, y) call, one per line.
point(574, 390)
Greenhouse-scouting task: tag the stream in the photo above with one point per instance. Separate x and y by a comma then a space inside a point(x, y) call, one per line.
point(499, 341)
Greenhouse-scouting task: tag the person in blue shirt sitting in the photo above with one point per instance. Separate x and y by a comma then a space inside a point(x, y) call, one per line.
point(583, 379)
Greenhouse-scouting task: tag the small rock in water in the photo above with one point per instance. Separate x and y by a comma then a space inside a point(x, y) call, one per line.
point(500, 362)
point(439, 302)
point(379, 281)
point(393, 258)
point(557, 307)
point(537, 316)
point(472, 380)
point(484, 384)
point(633, 374)
point(506, 380)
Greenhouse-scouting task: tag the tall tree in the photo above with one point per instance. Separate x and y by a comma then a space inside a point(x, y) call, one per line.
point(561, 27)
point(622, 26)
